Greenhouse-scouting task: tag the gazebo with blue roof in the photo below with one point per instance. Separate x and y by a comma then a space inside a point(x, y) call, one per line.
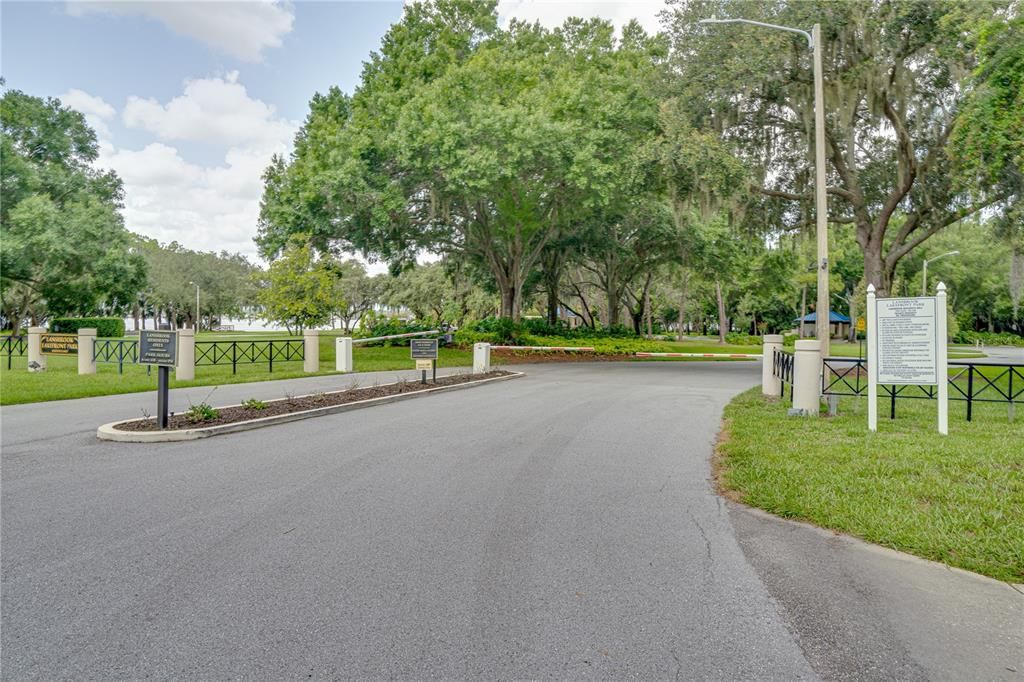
point(839, 324)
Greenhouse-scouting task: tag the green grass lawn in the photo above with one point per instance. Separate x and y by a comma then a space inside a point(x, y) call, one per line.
point(61, 380)
point(957, 499)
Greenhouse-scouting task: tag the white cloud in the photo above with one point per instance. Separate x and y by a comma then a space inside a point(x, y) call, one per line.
point(552, 13)
point(241, 29)
point(96, 110)
point(212, 110)
point(207, 207)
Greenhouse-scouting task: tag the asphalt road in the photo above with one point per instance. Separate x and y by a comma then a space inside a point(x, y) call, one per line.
point(556, 526)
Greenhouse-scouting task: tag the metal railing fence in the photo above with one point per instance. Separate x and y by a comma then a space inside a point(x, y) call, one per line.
point(782, 368)
point(116, 351)
point(968, 382)
point(13, 345)
point(250, 352)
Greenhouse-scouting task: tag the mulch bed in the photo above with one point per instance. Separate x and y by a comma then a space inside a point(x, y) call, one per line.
point(231, 415)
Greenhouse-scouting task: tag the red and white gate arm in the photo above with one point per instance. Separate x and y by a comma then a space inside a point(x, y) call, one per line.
point(745, 356)
point(568, 348)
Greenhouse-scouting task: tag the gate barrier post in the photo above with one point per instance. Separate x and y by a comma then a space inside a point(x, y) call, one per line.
point(481, 358)
point(35, 352)
point(185, 370)
point(86, 351)
point(311, 350)
point(770, 384)
point(343, 354)
point(807, 379)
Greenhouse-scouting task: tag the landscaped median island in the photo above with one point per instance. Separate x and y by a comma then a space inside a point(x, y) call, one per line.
point(958, 499)
point(202, 420)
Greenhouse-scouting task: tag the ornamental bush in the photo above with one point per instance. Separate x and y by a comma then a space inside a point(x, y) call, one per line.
point(106, 327)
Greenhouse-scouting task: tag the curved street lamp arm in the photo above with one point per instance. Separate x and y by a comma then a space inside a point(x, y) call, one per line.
point(805, 34)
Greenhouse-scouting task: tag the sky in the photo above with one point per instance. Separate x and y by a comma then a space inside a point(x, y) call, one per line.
point(190, 99)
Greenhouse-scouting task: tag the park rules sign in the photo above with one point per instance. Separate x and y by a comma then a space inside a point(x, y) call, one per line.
point(158, 348)
point(907, 346)
point(906, 341)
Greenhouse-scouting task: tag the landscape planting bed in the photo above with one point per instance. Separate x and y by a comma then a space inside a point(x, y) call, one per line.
point(239, 417)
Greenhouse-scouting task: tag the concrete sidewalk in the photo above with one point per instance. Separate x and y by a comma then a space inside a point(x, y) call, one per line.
point(865, 612)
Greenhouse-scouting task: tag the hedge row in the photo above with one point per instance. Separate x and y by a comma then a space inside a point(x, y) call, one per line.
point(106, 327)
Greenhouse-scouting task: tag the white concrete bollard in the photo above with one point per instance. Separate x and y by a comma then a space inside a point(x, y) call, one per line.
point(481, 358)
point(35, 352)
point(343, 354)
point(185, 370)
point(770, 384)
point(86, 346)
point(807, 379)
point(311, 350)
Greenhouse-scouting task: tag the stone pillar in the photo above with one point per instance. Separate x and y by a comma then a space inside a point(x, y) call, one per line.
point(86, 344)
point(311, 350)
point(481, 358)
point(35, 353)
point(807, 378)
point(770, 384)
point(185, 370)
point(343, 354)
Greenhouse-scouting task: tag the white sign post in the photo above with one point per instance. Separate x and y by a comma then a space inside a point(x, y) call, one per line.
point(907, 346)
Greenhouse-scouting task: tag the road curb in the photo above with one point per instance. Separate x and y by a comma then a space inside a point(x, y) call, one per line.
point(110, 432)
point(869, 546)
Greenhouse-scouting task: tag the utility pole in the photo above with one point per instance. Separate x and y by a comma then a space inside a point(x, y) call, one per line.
point(822, 311)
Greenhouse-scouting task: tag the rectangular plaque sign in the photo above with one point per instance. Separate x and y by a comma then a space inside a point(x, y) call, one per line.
point(905, 341)
point(423, 349)
point(425, 365)
point(158, 348)
point(58, 344)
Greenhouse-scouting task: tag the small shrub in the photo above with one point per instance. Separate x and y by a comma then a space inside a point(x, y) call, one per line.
point(253, 404)
point(106, 327)
point(202, 412)
point(741, 339)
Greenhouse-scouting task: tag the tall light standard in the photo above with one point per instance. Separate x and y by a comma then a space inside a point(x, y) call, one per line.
point(924, 275)
point(823, 311)
point(197, 305)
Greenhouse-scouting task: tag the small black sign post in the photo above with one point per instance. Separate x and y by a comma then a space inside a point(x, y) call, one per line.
point(160, 348)
point(422, 350)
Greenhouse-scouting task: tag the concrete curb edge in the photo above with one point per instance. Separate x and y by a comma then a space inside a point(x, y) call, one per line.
point(110, 431)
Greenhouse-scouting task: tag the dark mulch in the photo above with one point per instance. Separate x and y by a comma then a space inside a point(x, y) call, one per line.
point(230, 415)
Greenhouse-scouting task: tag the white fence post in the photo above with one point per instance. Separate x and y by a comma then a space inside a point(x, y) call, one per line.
point(343, 354)
point(481, 358)
point(941, 353)
point(770, 384)
point(35, 353)
point(872, 360)
point(185, 370)
point(807, 378)
point(86, 346)
point(311, 350)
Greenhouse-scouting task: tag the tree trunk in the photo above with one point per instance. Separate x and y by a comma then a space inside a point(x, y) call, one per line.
point(682, 307)
point(852, 301)
point(135, 315)
point(650, 313)
point(875, 271)
point(723, 321)
point(803, 311)
point(552, 306)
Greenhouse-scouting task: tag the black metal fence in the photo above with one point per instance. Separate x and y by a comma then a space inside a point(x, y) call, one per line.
point(117, 351)
point(971, 382)
point(11, 346)
point(255, 352)
point(782, 368)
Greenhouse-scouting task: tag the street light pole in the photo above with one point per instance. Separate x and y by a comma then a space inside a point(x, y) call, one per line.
point(821, 199)
point(823, 309)
point(924, 275)
point(197, 306)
